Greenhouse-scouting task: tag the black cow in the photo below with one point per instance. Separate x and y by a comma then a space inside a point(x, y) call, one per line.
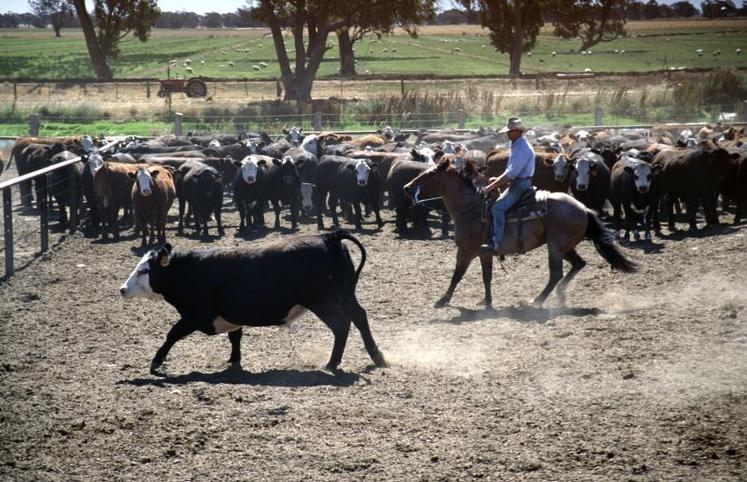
point(693, 175)
point(734, 187)
point(219, 291)
point(201, 186)
point(65, 186)
point(401, 173)
point(591, 184)
point(352, 181)
point(630, 193)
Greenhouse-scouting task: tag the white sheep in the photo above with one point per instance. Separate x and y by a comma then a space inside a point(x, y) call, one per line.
point(456, 49)
point(622, 52)
point(394, 50)
point(189, 70)
point(383, 51)
point(230, 64)
point(263, 65)
point(188, 61)
point(221, 66)
point(588, 52)
point(256, 67)
point(202, 62)
point(699, 52)
point(529, 54)
point(717, 52)
point(482, 46)
point(588, 70)
point(553, 53)
point(739, 51)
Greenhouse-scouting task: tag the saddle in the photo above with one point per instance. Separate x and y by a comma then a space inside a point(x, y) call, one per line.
point(532, 205)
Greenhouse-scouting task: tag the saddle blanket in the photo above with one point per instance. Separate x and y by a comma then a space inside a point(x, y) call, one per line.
point(532, 205)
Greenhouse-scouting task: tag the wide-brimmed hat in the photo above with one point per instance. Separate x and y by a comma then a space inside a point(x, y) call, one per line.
point(512, 123)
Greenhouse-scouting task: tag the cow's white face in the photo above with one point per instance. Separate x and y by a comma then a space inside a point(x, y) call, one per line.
point(311, 144)
point(427, 155)
point(641, 173)
point(294, 136)
point(583, 173)
point(307, 191)
point(362, 170)
point(95, 161)
point(253, 147)
point(144, 181)
point(388, 133)
point(560, 166)
point(138, 283)
point(214, 143)
point(448, 147)
point(86, 143)
point(582, 135)
point(249, 169)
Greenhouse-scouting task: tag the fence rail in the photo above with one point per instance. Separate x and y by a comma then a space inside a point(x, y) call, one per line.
point(42, 191)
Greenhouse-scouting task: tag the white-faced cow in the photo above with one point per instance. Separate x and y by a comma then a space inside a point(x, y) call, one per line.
point(153, 194)
point(629, 193)
point(220, 291)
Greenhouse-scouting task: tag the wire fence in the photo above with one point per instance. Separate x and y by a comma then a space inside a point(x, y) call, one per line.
point(547, 113)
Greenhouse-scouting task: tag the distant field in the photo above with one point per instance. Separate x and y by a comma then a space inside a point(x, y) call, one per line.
point(651, 46)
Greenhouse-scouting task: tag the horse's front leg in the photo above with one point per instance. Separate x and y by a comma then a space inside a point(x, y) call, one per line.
point(462, 263)
point(486, 261)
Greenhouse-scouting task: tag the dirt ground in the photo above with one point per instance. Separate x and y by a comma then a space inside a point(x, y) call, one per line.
point(641, 377)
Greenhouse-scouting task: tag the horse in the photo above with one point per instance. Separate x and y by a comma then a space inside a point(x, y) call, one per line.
point(566, 224)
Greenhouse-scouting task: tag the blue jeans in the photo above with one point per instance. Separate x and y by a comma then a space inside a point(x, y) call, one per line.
point(508, 198)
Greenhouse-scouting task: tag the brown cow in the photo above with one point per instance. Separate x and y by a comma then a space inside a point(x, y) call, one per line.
point(544, 175)
point(113, 190)
point(153, 193)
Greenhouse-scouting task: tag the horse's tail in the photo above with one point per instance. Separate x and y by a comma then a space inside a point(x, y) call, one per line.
point(604, 241)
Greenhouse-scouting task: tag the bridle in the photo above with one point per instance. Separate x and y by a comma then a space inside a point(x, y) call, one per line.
point(416, 201)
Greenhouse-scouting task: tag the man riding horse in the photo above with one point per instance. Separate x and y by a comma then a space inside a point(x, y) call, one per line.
point(518, 177)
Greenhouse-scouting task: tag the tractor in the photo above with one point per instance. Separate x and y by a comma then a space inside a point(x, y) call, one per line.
point(194, 87)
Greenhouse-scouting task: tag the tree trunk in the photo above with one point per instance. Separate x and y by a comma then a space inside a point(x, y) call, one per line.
point(97, 56)
point(516, 47)
point(347, 56)
point(56, 19)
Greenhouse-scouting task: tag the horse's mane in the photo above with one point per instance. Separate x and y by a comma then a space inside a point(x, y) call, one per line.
point(468, 173)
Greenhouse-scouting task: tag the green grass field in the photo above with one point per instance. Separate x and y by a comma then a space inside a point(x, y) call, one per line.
point(650, 46)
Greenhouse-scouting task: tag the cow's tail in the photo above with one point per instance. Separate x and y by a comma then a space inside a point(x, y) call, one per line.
point(342, 234)
point(604, 241)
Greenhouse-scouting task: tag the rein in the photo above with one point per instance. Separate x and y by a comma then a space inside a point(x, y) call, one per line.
point(416, 201)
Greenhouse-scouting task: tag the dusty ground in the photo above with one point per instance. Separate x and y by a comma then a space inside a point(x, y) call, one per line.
point(643, 377)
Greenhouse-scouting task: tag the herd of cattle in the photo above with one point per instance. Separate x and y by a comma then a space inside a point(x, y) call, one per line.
point(640, 173)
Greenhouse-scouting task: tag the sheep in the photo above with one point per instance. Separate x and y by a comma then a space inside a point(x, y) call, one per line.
point(553, 53)
point(616, 51)
point(482, 46)
point(739, 51)
point(202, 62)
point(455, 50)
point(699, 52)
point(588, 52)
point(221, 66)
point(588, 70)
point(394, 50)
point(529, 54)
point(188, 61)
point(230, 64)
point(622, 52)
point(263, 65)
point(717, 52)
point(189, 70)
point(383, 51)
point(256, 67)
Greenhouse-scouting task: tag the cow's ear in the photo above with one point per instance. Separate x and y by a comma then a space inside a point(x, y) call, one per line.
point(300, 162)
point(154, 173)
point(262, 162)
point(277, 162)
point(350, 167)
point(735, 155)
point(131, 175)
point(236, 163)
point(164, 255)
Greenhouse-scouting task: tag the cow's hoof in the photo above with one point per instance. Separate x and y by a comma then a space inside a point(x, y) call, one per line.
point(155, 369)
point(333, 368)
point(379, 360)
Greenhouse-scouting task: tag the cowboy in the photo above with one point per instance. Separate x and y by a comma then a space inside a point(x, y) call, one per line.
point(518, 177)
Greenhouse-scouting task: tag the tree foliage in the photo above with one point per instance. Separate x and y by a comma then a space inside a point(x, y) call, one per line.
point(513, 24)
point(591, 21)
point(115, 19)
point(718, 8)
point(57, 11)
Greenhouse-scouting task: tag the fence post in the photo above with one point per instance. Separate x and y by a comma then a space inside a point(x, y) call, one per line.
point(8, 224)
point(744, 111)
point(43, 213)
point(598, 116)
point(34, 123)
point(461, 119)
point(317, 121)
point(402, 86)
point(147, 88)
point(178, 123)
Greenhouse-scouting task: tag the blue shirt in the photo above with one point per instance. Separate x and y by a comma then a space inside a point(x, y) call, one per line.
point(521, 159)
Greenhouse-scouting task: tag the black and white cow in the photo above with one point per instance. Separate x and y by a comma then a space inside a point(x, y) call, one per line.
point(219, 291)
point(349, 181)
point(592, 183)
point(246, 194)
point(630, 182)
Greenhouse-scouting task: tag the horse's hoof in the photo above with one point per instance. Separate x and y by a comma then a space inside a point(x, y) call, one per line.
point(379, 360)
point(440, 303)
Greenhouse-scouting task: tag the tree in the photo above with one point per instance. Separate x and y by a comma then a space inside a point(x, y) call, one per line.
point(212, 20)
point(684, 9)
point(592, 21)
point(380, 17)
point(115, 19)
point(57, 11)
point(513, 24)
point(718, 8)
